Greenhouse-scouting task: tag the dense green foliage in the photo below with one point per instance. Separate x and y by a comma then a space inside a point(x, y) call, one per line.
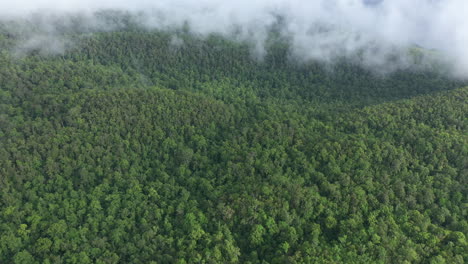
point(150, 147)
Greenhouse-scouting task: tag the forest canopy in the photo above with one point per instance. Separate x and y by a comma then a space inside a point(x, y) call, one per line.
point(149, 146)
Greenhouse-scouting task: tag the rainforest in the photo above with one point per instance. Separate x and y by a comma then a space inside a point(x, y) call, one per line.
point(137, 145)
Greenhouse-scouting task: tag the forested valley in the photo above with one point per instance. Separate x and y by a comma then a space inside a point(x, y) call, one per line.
point(160, 146)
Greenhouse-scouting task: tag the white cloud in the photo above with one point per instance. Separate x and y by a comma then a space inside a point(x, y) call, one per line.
point(319, 28)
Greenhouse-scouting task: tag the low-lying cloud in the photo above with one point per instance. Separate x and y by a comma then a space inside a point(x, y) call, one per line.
point(317, 29)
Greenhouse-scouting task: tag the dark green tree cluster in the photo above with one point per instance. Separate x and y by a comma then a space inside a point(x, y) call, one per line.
point(162, 147)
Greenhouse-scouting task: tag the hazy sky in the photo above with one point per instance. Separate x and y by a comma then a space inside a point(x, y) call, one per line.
point(319, 29)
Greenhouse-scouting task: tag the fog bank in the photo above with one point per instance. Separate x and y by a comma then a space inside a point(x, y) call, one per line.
point(318, 29)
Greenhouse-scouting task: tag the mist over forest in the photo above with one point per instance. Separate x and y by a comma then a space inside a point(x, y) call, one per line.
point(317, 30)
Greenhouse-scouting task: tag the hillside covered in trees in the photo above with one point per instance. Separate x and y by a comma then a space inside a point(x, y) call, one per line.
point(142, 146)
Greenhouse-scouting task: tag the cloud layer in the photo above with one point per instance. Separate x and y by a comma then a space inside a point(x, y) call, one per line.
point(318, 29)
